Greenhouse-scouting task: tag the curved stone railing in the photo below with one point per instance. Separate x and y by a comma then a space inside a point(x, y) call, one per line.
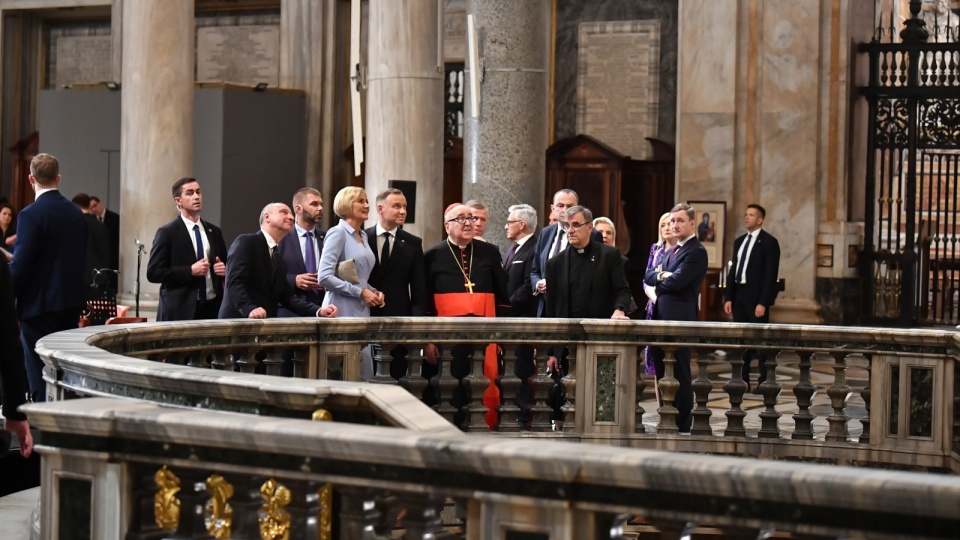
point(204, 449)
point(134, 469)
point(847, 395)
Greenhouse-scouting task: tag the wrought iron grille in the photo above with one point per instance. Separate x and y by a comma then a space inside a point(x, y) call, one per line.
point(452, 104)
point(911, 260)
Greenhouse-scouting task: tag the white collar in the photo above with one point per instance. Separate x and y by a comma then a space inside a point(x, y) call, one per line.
point(381, 230)
point(523, 241)
point(271, 243)
point(301, 231)
point(42, 191)
point(190, 223)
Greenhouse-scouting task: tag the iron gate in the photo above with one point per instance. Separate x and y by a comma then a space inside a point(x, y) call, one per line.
point(910, 263)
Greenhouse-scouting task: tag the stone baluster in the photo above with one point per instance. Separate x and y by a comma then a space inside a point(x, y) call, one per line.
point(358, 516)
point(541, 412)
point(246, 503)
point(804, 391)
point(735, 388)
point(219, 360)
point(838, 393)
point(413, 381)
point(388, 507)
point(475, 411)
point(865, 394)
point(770, 389)
point(194, 360)
point(193, 496)
point(956, 406)
point(641, 384)
point(381, 364)
point(701, 391)
point(668, 389)
point(514, 410)
point(422, 521)
point(444, 386)
point(272, 361)
point(569, 381)
point(245, 360)
point(304, 508)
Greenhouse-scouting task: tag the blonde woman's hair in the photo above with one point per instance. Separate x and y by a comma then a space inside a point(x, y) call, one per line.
point(664, 217)
point(343, 202)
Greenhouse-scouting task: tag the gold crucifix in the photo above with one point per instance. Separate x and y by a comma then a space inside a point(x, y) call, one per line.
point(469, 285)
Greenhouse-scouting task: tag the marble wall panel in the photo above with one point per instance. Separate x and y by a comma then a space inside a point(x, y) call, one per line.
point(708, 63)
point(569, 15)
point(705, 153)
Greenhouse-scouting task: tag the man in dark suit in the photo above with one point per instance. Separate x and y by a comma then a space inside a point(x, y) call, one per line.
point(398, 272)
point(47, 266)
point(98, 248)
point(301, 247)
point(257, 276)
point(13, 377)
point(552, 241)
point(111, 220)
point(677, 283)
point(752, 282)
point(587, 279)
point(518, 262)
point(188, 260)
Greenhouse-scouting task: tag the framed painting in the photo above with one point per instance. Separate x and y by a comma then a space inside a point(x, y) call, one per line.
point(710, 220)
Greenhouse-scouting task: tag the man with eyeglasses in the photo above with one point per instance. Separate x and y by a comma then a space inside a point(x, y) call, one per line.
point(587, 279)
point(553, 240)
point(518, 262)
point(465, 279)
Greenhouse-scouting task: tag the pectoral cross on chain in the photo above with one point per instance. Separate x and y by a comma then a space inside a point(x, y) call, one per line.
point(469, 285)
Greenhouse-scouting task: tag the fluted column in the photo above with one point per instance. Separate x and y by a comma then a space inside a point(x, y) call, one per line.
point(404, 123)
point(156, 145)
point(307, 62)
point(504, 148)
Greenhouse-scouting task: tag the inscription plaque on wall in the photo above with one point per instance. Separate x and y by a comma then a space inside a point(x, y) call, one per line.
point(618, 77)
point(82, 59)
point(246, 55)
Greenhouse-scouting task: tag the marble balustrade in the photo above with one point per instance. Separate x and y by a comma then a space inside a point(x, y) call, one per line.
point(136, 470)
point(887, 396)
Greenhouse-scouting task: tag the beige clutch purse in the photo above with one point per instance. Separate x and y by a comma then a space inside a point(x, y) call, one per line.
point(347, 271)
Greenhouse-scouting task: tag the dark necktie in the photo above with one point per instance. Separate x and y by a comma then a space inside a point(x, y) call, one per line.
point(556, 242)
point(274, 257)
point(385, 252)
point(201, 281)
point(310, 254)
point(511, 253)
point(743, 259)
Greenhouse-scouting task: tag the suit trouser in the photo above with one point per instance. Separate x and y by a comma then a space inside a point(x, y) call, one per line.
point(683, 401)
point(31, 331)
point(745, 312)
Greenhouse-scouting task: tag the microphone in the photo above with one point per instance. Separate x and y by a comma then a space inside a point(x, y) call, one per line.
point(140, 247)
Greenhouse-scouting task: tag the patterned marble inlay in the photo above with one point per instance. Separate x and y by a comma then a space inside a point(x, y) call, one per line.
point(894, 401)
point(335, 367)
point(606, 388)
point(74, 506)
point(618, 76)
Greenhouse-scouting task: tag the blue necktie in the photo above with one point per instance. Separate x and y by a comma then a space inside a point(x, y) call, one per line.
point(202, 281)
point(310, 254)
point(743, 259)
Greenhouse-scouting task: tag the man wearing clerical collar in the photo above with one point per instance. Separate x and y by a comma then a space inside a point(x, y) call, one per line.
point(589, 278)
point(465, 278)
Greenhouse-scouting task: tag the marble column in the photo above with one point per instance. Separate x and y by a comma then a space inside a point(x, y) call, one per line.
point(749, 126)
point(307, 62)
point(116, 40)
point(404, 123)
point(504, 148)
point(156, 144)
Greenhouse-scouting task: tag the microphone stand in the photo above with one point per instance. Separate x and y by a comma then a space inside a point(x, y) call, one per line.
point(136, 284)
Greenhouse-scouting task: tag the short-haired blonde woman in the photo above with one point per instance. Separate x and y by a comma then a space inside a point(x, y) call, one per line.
point(348, 241)
point(607, 230)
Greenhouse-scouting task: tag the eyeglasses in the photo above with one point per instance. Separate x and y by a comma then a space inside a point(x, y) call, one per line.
point(567, 225)
point(509, 222)
point(463, 220)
